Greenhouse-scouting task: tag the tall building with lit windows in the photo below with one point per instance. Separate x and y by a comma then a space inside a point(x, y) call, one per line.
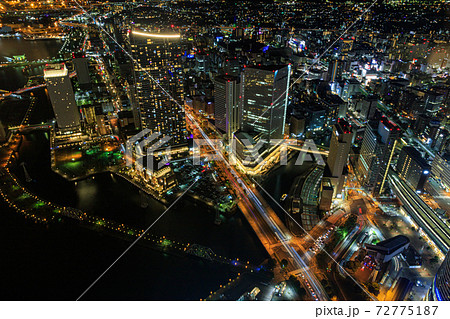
point(413, 168)
point(376, 154)
point(61, 95)
point(226, 104)
point(158, 83)
point(335, 68)
point(440, 289)
point(340, 145)
point(264, 98)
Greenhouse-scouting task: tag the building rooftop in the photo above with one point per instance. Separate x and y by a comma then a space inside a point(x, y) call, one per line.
point(389, 124)
point(225, 78)
point(77, 55)
point(343, 127)
point(393, 243)
point(245, 136)
point(55, 70)
point(267, 67)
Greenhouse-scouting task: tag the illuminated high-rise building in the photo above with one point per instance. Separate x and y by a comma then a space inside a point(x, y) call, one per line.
point(264, 91)
point(340, 145)
point(158, 83)
point(376, 154)
point(334, 70)
point(62, 97)
point(440, 289)
point(413, 168)
point(226, 104)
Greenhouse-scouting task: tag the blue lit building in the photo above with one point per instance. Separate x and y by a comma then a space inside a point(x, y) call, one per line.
point(440, 289)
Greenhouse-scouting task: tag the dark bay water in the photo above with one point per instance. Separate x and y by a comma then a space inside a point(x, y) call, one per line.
point(13, 78)
point(59, 261)
point(33, 50)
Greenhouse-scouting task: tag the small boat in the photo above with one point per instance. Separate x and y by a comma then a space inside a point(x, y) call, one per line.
point(283, 198)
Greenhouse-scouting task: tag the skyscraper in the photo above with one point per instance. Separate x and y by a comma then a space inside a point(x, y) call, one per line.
point(413, 168)
point(376, 154)
point(264, 91)
point(351, 86)
point(334, 70)
point(61, 96)
point(226, 104)
point(81, 65)
point(158, 55)
point(340, 144)
point(369, 107)
point(440, 289)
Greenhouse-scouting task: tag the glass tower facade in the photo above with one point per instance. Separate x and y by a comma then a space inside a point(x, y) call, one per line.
point(376, 154)
point(226, 100)
point(440, 289)
point(264, 91)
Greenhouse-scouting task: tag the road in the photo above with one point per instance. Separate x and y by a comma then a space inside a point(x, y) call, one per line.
point(421, 213)
point(266, 224)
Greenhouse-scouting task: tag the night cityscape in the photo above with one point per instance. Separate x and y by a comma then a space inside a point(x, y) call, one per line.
point(218, 150)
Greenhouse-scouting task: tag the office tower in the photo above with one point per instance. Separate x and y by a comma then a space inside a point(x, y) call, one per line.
point(247, 148)
point(369, 107)
point(232, 67)
point(202, 62)
point(432, 131)
point(433, 101)
point(422, 121)
point(441, 142)
point(157, 64)
point(440, 289)
point(226, 104)
point(376, 154)
point(81, 65)
point(335, 107)
point(335, 68)
point(440, 167)
point(326, 194)
point(297, 125)
point(340, 145)
point(413, 168)
point(351, 86)
point(264, 91)
point(62, 98)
